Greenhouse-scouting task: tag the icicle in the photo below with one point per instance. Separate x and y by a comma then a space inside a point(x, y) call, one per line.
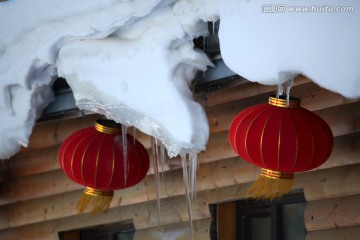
point(124, 146)
point(284, 89)
point(162, 158)
point(279, 91)
point(187, 193)
point(193, 168)
point(154, 145)
point(190, 173)
point(288, 85)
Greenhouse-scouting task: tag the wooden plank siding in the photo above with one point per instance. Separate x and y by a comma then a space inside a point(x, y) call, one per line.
point(38, 200)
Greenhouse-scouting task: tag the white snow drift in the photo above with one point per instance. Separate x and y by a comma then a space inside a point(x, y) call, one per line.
point(133, 61)
point(272, 41)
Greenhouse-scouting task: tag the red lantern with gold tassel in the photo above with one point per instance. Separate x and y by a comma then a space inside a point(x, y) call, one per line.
point(282, 139)
point(93, 157)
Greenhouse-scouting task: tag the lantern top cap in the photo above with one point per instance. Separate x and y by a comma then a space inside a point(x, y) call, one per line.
point(281, 102)
point(107, 126)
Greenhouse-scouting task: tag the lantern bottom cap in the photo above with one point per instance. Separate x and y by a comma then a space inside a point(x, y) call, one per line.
point(271, 185)
point(276, 174)
point(95, 200)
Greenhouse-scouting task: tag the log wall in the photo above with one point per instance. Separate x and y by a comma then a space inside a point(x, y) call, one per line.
point(37, 199)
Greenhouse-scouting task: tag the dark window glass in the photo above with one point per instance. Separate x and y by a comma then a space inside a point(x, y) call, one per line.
point(281, 219)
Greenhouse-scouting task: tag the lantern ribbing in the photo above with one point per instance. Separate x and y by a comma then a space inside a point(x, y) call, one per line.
point(282, 138)
point(93, 157)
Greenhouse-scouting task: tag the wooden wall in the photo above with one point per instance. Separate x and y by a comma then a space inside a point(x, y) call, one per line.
point(38, 199)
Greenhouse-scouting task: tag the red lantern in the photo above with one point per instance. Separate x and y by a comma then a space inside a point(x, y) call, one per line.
point(281, 140)
point(93, 157)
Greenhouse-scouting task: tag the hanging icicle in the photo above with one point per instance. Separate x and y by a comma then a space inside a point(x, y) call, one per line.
point(284, 90)
point(187, 192)
point(124, 145)
point(162, 158)
point(155, 150)
point(288, 84)
point(193, 171)
point(279, 90)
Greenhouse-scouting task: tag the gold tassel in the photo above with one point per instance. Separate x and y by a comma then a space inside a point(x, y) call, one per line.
point(271, 184)
point(96, 200)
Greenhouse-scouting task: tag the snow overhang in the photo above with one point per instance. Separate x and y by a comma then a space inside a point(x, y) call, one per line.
point(134, 61)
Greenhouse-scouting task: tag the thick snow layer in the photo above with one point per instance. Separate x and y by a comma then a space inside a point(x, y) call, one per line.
point(271, 41)
point(133, 60)
point(140, 76)
point(130, 60)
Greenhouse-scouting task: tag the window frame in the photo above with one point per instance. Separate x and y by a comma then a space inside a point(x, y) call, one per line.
point(245, 210)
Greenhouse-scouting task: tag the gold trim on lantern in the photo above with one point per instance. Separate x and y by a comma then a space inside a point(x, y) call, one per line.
point(107, 126)
point(281, 102)
point(276, 174)
point(96, 201)
point(271, 185)
point(95, 192)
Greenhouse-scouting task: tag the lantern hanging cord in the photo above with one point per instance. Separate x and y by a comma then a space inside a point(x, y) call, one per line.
point(283, 89)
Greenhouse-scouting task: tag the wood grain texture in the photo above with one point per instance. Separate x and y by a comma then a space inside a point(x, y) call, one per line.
point(346, 151)
point(214, 177)
point(242, 91)
point(59, 210)
point(219, 116)
point(144, 216)
point(346, 233)
point(27, 163)
point(54, 133)
point(342, 120)
point(332, 213)
point(39, 201)
point(335, 182)
point(325, 105)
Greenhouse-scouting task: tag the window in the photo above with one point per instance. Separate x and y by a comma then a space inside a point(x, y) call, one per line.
point(116, 231)
point(251, 219)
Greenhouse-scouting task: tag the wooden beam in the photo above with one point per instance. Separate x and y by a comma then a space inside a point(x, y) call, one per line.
point(342, 120)
point(211, 176)
point(346, 233)
point(144, 215)
point(346, 151)
point(57, 212)
point(37, 186)
point(54, 133)
point(332, 183)
point(242, 91)
point(219, 116)
point(62, 205)
point(34, 162)
point(332, 213)
point(48, 134)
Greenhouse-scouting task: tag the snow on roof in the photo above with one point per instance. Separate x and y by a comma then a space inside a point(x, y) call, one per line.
point(133, 61)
